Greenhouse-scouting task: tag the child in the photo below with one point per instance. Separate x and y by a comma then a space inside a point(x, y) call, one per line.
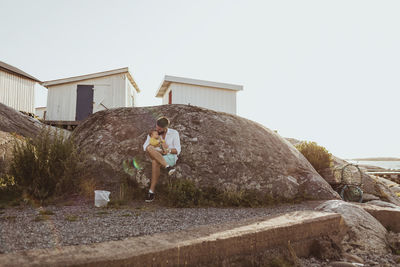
point(156, 141)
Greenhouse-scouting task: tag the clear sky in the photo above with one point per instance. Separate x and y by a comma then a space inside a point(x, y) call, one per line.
point(327, 71)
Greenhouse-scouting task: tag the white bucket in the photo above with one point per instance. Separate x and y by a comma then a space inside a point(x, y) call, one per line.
point(101, 198)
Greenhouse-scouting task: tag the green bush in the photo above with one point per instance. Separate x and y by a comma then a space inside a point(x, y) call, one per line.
point(46, 165)
point(318, 156)
point(184, 193)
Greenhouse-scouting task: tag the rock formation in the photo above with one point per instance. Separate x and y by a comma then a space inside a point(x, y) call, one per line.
point(371, 185)
point(15, 126)
point(218, 150)
point(13, 121)
point(365, 234)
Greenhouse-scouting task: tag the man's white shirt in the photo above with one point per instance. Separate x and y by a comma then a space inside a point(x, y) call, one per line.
point(171, 139)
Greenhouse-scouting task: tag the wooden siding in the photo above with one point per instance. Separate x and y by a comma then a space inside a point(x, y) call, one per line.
point(40, 112)
point(17, 92)
point(207, 97)
point(109, 91)
point(130, 94)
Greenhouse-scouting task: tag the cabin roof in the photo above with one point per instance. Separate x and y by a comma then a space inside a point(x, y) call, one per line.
point(174, 79)
point(14, 70)
point(93, 76)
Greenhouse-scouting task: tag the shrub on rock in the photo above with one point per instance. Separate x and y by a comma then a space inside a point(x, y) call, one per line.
point(45, 165)
point(318, 156)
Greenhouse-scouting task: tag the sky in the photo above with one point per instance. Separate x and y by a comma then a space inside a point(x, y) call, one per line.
point(323, 71)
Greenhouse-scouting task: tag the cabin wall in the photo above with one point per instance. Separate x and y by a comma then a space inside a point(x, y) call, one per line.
point(208, 97)
point(109, 92)
point(17, 92)
point(40, 112)
point(131, 96)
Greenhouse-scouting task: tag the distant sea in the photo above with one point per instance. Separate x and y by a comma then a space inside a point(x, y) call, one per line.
point(395, 165)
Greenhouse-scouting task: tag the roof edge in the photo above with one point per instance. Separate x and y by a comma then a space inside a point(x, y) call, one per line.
point(175, 79)
point(16, 71)
point(92, 76)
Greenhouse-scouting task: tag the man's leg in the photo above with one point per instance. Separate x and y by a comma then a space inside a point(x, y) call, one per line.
point(155, 174)
point(155, 155)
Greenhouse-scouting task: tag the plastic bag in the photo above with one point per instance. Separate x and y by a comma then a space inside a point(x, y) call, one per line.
point(101, 198)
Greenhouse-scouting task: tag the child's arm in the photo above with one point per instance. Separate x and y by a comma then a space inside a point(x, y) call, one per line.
point(164, 145)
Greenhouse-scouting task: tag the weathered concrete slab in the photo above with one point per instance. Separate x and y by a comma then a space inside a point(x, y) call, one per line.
point(388, 217)
point(200, 246)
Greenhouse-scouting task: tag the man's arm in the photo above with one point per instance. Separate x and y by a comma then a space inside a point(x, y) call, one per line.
point(146, 144)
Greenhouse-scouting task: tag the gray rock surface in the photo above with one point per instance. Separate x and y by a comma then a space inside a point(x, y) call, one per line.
point(218, 150)
point(382, 188)
point(13, 121)
point(365, 235)
point(15, 126)
point(383, 204)
point(369, 197)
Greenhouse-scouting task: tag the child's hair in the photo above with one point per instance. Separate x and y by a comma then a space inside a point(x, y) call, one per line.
point(152, 131)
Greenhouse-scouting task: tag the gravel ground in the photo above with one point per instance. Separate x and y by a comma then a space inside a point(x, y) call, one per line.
point(23, 228)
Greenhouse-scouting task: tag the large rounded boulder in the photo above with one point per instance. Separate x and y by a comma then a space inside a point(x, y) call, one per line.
point(218, 150)
point(13, 121)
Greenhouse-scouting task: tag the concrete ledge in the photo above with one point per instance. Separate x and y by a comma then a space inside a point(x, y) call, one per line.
point(209, 245)
point(388, 217)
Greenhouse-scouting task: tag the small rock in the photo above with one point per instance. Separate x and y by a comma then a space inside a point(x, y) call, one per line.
point(352, 258)
point(384, 204)
point(342, 264)
point(369, 197)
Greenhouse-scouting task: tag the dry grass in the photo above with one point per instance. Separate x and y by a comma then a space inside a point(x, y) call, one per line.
point(71, 218)
point(87, 187)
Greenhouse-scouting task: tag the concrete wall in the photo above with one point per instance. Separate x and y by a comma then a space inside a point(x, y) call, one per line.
point(207, 97)
point(17, 92)
point(110, 91)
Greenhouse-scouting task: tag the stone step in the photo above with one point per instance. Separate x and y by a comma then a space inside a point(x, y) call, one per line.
point(229, 244)
point(388, 217)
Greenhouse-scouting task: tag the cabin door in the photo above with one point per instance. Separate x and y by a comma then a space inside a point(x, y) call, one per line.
point(84, 101)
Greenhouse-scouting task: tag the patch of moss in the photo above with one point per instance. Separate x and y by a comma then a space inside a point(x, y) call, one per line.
point(102, 213)
point(9, 218)
point(46, 212)
point(184, 193)
point(71, 218)
point(279, 262)
point(40, 218)
point(116, 203)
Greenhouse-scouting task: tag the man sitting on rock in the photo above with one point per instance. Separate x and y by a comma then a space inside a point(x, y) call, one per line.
point(167, 159)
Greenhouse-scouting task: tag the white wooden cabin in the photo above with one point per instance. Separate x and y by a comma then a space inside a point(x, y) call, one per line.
point(211, 95)
point(75, 98)
point(40, 112)
point(17, 88)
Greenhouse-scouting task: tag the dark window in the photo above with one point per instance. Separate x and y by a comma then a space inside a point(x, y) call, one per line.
point(170, 97)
